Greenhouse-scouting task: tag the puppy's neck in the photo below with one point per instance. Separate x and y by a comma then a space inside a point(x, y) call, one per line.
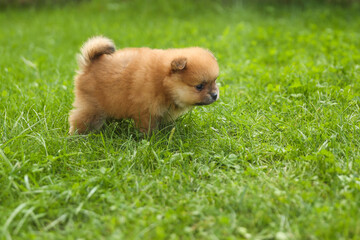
point(177, 106)
point(174, 111)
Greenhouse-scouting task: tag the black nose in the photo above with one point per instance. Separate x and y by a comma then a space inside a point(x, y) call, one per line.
point(213, 96)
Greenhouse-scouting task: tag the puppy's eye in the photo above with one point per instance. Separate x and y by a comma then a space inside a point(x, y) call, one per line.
point(200, 87)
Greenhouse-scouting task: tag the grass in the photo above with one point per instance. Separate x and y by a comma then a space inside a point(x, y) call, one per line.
point(277, 157)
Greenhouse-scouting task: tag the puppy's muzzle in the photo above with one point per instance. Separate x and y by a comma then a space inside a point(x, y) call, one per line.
point(212, 97)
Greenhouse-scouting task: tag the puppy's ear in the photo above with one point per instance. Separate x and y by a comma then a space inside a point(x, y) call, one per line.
point(178, 64)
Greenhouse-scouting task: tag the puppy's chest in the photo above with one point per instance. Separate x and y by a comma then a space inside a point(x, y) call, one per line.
point(174, 112)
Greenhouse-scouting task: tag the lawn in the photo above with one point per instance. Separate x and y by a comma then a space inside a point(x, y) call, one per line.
point(277, 157)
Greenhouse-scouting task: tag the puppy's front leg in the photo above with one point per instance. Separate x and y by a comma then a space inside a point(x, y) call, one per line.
point(146, 123)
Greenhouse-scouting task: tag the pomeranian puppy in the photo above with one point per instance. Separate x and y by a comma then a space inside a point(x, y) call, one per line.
point(147, 85)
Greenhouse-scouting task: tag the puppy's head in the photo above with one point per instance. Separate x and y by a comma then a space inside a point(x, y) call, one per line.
point(192, 78)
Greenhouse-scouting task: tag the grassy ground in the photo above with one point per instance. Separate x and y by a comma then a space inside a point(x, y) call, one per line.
point(276, 158)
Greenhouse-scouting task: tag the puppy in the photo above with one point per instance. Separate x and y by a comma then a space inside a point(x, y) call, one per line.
point(147, 85)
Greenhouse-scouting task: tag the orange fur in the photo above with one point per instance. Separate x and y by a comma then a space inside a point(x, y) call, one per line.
point(143, 84)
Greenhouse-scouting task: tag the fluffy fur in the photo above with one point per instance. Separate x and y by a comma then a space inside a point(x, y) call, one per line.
point(143, 84)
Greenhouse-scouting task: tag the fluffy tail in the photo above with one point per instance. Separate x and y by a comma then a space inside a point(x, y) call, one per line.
point(94, 48)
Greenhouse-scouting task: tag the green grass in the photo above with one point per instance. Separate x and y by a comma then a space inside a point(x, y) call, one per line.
point(277, 157)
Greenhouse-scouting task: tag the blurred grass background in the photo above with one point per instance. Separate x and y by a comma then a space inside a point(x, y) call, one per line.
point(49, 3)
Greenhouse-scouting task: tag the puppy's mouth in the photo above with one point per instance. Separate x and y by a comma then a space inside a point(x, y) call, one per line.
point(213, 97)
point(204, 103)
point(201, 104)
